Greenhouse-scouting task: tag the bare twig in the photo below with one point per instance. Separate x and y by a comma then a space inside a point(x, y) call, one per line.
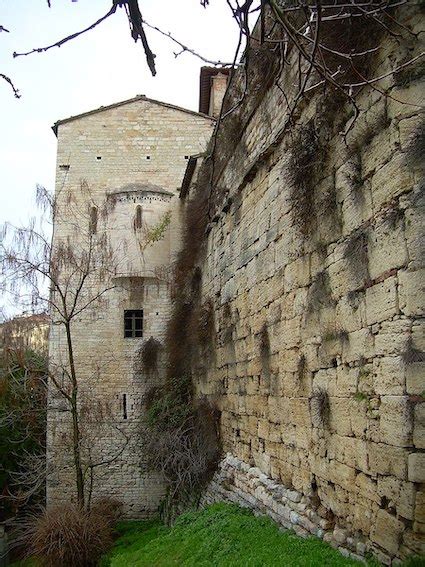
point(69, 37)
point(185, 48)
point(9, 80)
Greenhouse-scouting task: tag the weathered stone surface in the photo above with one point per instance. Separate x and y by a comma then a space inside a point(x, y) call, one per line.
point(387, 531)
point(419, 425)
point(420, 506)
point(415, 377)
point(389, 376)
point(416, 464)
point(396, 421)
point(412, 291)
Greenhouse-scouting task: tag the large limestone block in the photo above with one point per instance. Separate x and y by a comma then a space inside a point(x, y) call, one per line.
point(346, 380)
point(389, 375)
point(381, 147)
point(300, 412)
point(399, 495)
point(407, 128)
point(405, 101)
point(351, 311)
point(297, 273)
point(420, 506)
point(381, 301)
point(415, 378)
point(359, 345)
point(367, 488)
point(396, 421)
point(362, 518)
point(415, 225)
point(392, 338)
point(389, 181)
point(416, 464)
point(348, 450)
point(342, 475)
point(412, 291)
point(339, 416)
point(386, 244)
point(414, 542)
point(419, 426)
point(386, 460)
point(387, 531)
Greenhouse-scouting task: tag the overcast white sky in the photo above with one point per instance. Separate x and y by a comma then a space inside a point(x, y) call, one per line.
point(96, 69)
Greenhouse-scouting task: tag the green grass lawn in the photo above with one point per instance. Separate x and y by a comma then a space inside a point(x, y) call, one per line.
point(223, 535)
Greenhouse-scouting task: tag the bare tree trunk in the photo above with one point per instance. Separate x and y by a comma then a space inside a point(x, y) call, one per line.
point(76, 434)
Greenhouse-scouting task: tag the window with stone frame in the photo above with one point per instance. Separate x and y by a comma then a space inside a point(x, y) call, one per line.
point(133, 323)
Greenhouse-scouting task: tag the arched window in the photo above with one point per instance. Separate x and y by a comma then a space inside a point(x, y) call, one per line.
point(138, 218)
point(93, 220)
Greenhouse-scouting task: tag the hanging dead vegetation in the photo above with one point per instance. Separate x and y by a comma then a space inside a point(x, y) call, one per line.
point(416, 147)
point(303, 169)
point(264, 342)
point(319, 408)
point(147, 357)
point(356, 256)
point(206, 324)
point(320, 294)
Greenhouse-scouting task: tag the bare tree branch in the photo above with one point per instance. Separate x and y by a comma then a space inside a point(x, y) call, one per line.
point(185, 48)
point(69, 37)
point(9, 80)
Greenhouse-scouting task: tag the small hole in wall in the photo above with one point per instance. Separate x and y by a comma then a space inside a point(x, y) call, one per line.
point(124, 406)
point(186, 157)
point(157, 312)
point(148, 157)
point(99, 157)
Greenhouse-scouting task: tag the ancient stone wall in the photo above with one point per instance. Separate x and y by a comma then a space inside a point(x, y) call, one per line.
point(318, 293)
point(113, 163)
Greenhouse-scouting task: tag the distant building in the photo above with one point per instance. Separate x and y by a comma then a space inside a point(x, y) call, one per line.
point(25, 332)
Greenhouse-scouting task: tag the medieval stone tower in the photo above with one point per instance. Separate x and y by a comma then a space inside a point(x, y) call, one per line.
point(119, 170)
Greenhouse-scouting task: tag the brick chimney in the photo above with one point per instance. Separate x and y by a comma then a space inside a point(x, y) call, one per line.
point(212, 87)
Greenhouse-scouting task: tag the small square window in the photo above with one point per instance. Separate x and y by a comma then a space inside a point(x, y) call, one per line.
point(133, 323)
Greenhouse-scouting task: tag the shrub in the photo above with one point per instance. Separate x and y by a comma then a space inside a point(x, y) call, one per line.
point(69, 536)
point(182, 444)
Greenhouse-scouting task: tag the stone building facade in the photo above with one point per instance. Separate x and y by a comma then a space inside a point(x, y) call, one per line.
point(318, 365)
point(119, 169)
point(318, 300)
